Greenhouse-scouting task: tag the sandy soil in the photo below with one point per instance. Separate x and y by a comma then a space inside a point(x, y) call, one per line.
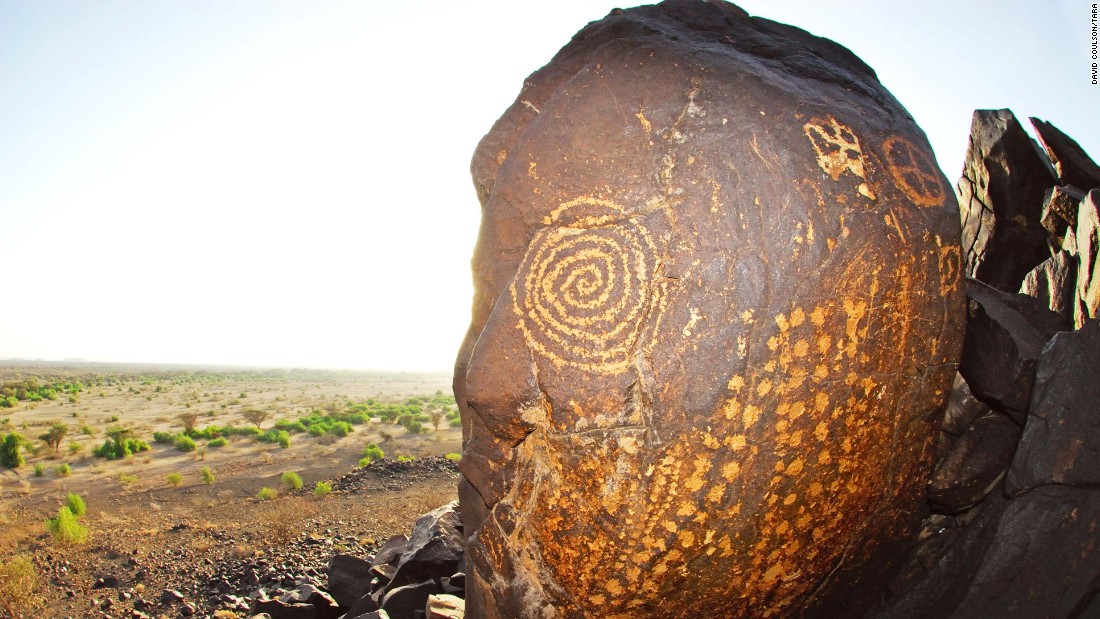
point(132, 521)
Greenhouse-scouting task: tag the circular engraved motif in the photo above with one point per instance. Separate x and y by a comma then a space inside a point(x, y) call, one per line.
point(913, 171)
point(585, 289)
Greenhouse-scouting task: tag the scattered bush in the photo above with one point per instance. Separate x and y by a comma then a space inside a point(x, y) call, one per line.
point(39, 470)
point(63, 470)
point(184, 443)
point(322, 489)
point(75, 448)
point(218, 442)
point(207, 475)
point(406, 458)
point(65, 529)
point(371, 453)
point(266, 494)
point(87, 430)
point(453, 457)
point(127, 478)
point(75, 503)
point(292, 480)
point(18, 584)
point(174, 479)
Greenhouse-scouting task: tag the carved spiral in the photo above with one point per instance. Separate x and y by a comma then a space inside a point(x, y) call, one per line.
point(587, 287)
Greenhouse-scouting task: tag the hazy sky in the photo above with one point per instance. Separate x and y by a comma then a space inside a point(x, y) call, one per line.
point(286, 183)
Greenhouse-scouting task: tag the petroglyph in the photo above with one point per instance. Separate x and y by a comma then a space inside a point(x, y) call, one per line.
point(838, 150)
point(913, 171)
point(586, 287)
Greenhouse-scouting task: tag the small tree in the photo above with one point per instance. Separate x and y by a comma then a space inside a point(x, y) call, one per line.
point(188, 419)
point(54, 437)
point(255, 416)
point(10, 451)
point(437, 418)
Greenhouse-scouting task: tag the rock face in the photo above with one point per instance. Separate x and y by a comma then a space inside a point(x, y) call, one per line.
point(717, 312)
point(1005, 177)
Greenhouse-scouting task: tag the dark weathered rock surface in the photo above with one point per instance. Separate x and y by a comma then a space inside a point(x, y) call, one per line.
point(975, 463)
point(1054, 283)
point(1005, 335)
point(405, 600)
point(434, 549)
point(717, 311)
point(1061, 441)
point(348, 578)
point(1071, 162)
point(1001, 197)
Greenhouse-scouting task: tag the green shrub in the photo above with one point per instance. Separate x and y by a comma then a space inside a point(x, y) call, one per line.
point(456, 423)
point(266, 494)
point(39, 470)
point(75, 503)
point(322, 489)
point(275, 436)
point(174, 479)
point(406, 458)
point(116, 449)
point(184, 443)
point(292, 480)
point(218, 442)
point(372, 452)
point(127, 478)
point(414, 427)
point(75, 448)
point(11, 454)
point(207, 475)
point(63, 470)
point(9, 402)
point(87, 430)
point(166, 438)
point(340, 428)
point(453, 457)
point(65, 529)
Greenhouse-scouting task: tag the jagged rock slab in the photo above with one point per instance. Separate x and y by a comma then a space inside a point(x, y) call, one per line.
point(434, 549)
point(1071, 162)
point(1087, 244)
point(1054, 283)
point(1005, 335)
point(1060, 211)
point(1001, 197)
point(1061, 441)
point(717, 314)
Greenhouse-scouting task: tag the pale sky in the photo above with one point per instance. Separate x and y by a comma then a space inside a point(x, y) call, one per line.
point(260, 182)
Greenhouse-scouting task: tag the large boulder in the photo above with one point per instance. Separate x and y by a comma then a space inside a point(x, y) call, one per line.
point(717, 312)
point(1005, 177)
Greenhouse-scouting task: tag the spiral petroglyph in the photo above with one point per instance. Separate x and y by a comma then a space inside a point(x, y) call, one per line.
point(586, 289)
